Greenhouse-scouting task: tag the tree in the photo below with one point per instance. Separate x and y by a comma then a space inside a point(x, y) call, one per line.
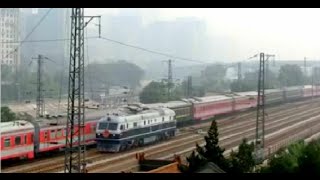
point(195, 162)
point(250, 82)
point(309, 161)
point(211, 152)
point(118, 73)
point(243, 160)
point(286, 159)
point(153, 93)
point(7, 115)
point(290, 75)
point(214, 78)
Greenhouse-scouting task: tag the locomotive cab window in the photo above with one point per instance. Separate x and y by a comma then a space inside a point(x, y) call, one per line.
point(17, 140)
point(25, 139)
point(122, 127)
point(108, 125)
point(7, 142)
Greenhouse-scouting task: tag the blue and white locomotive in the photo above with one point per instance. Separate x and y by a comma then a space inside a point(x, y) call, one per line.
point(134, 126)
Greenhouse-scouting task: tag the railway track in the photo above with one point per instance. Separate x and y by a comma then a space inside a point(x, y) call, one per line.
point(227, 126)
point(228, 142)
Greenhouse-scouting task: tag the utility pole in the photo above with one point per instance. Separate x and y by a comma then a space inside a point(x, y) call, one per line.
point(312, 82)
point(40, 99)
point(267, 75)
point(75, 138)
point(260, 121)
point(169, 80)
point(239, 75)
point(189, 87)
point(305, 71)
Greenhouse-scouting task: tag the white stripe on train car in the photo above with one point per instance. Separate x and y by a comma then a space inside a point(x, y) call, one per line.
point(61, 143)
point(16, 150)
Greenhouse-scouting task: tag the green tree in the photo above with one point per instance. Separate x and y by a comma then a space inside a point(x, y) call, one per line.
point(243, 160)
point(154, 92)
point(286, 159)
point(120, 73)
point(309, 161)
point(195, 162)
point(250, 82)
point(290, 75)
point(7, 115)
point(214, 78)
point(210, 152)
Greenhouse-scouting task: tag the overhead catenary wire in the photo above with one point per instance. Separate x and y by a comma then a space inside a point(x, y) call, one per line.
point(43, 40)
point(29, 34)
point(152, 51)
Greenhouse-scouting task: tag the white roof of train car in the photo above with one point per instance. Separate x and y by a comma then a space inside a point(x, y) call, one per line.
point(8, 127)
point(248, 93)
point(293, 88)
point(211, 99)
point(151, 113)
point(273, 90)
point(307, 86)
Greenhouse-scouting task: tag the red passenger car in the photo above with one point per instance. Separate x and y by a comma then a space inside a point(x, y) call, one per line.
point(22, 139)
point(17, 140)
point(207, 107)
point(245, 100)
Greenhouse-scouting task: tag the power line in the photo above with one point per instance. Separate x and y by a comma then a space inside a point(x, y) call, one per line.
point(43, 40)
point(29, 34)
point(153, 52)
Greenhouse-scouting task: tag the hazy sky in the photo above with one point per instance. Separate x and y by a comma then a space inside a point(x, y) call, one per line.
point(288, 33)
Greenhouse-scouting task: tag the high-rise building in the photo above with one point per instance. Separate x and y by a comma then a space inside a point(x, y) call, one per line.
point(9, 36)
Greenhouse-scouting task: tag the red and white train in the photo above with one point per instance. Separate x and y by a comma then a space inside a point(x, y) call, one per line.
point(25, 139)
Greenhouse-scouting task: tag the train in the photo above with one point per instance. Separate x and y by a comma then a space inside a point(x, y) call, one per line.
point(133, 126)
point(198, 109)
point(28, 139)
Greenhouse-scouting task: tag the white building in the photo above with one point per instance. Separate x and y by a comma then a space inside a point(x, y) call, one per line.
point(9, 36)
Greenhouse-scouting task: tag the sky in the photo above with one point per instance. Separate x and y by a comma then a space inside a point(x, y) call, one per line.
point(288, 33)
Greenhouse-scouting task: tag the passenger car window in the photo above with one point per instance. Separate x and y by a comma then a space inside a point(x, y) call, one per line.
point(25, 139)
point(45, 135)
point(17, 140)
point(135, 124)
point(59, 133)
point(52, 134)
point(7, 142)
